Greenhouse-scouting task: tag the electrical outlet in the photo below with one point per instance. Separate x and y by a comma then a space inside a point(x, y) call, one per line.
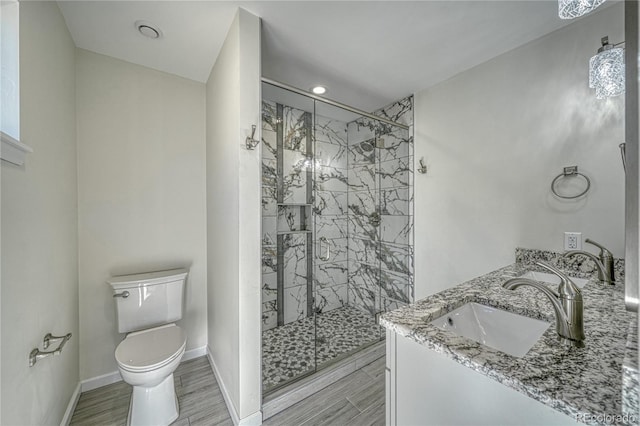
point(573, 240)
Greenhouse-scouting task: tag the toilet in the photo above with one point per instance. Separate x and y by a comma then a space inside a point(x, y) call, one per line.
point(147, 306)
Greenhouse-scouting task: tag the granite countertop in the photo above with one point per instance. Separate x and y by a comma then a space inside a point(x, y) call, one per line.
point(584, 383)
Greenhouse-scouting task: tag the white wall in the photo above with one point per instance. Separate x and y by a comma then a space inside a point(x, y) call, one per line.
point(233, 217)
point(495, 136)
point(39, 226)
point(141, 193)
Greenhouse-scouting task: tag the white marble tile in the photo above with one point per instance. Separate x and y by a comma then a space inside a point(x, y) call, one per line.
point(330, 203)
point(363, 250)
point(394, 145)
point(362, 153)
point(269, 287)
point(269, 231)
point(364, 299)
point(330, 227)
point(396, 201)
point(331, 274)
point(295, 260)
point(295, 303)
point(330, 130)
point(269, 114)
point(395, 257)
point(269, 201)
point(328, 298)
point(331, 179)
point(294, 130)
point(357, 132)
point(363, 178)
point(396, 229)
point(396, 286)
point(269, 146)
point(400, 111)
point(269, 173)
point(363, 227)
point(363, 202)
point(269, 259)
point(331, 155)
point(294, 179)
point(269, 315)
point(394, 173)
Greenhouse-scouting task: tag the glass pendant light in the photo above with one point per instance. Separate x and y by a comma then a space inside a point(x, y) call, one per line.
point(606, 70)
point(569, 9)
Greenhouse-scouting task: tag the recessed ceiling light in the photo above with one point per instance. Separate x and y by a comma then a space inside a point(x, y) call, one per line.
point(147, 29)
point(319, 90)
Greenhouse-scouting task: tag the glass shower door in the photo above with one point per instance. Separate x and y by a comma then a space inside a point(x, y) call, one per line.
point(347, 226)
point(288, 337)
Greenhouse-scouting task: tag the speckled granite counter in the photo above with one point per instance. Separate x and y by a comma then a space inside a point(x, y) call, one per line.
point(584, 383)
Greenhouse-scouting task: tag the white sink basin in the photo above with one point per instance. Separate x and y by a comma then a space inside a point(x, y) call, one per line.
point(505, 331)
point(552, 279)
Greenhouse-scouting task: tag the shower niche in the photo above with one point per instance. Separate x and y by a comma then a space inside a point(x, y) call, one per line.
point(337, 230)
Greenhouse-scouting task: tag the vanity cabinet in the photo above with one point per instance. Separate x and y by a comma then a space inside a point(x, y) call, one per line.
point(424, 387)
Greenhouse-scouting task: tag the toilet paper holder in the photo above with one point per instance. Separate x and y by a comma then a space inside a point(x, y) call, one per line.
point(36, 354)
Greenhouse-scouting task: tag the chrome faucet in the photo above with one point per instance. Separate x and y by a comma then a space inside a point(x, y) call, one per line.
point(604, 262)
point(566, 302)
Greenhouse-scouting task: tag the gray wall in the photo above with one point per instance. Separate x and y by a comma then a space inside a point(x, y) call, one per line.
point(495, 136)
point(141, 193)
point(39, 226)
point(233, 218)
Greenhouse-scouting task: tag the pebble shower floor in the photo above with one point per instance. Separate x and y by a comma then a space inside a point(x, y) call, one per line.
point(293, 349)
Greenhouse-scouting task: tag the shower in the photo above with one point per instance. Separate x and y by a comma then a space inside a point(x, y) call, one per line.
point(337, 228)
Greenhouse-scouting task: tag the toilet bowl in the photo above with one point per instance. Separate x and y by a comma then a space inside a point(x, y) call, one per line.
point(146, 360)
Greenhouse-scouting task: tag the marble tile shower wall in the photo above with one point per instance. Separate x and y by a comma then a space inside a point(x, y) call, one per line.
point(287, 224)
point(286, 210)
point(380, 216)
point(363, 207)
point(330, 214)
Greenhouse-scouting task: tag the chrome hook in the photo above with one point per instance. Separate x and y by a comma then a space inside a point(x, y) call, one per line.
point(250, 142)
point(423, 167)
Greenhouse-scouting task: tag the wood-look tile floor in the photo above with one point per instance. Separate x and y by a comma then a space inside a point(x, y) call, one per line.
point(357, 399)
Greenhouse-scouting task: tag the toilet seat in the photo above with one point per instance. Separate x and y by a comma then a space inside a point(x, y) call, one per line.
point(151, 349)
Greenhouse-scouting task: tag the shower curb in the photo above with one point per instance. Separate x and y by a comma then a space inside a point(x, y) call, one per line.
point(284, 398)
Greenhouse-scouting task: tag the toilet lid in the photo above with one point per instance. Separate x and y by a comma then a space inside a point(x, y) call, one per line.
point(151, 349)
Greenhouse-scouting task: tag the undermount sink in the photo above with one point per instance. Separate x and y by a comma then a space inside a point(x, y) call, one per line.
point(552, 278)
point(505, 331)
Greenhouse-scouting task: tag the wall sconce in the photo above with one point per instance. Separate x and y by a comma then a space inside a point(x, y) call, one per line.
point(606, 70)
point(570, 9)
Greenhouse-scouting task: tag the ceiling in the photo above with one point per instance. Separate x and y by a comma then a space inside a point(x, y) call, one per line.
point(368, 53)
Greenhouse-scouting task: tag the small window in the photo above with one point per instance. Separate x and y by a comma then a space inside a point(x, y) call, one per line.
point(12, 150)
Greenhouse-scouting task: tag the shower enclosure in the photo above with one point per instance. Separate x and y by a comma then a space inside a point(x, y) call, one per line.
point(337, 229)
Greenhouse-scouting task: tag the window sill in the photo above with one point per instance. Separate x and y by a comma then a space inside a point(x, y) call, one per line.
point(12, 150)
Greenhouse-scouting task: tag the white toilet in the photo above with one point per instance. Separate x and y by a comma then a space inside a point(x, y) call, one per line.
point(147, 305)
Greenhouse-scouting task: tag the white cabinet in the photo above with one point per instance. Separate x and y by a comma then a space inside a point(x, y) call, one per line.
point(428, 388)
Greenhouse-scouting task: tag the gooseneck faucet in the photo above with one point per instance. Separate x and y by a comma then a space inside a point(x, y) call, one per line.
point(604, 262)
point(566, 302)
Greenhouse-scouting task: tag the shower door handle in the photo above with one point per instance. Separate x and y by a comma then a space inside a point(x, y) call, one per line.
point(623, 153)
point(323, 240)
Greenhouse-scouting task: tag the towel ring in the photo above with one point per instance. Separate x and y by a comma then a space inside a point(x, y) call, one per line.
point(570, 171)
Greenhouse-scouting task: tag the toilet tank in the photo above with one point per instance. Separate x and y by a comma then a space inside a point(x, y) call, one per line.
point(154, 298)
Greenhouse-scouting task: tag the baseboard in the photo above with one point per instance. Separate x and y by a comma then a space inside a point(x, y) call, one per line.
point(254, 419)
point(100, 381)
point(194, 353)
point(71, 407)
point(113, 377)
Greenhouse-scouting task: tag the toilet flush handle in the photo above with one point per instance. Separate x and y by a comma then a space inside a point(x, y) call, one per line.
point(124, 294)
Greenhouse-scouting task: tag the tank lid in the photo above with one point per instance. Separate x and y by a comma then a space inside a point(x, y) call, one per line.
point(148, 278)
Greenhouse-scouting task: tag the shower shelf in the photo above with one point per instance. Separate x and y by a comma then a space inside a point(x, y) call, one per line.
point(294, 232)
point(294, 204)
